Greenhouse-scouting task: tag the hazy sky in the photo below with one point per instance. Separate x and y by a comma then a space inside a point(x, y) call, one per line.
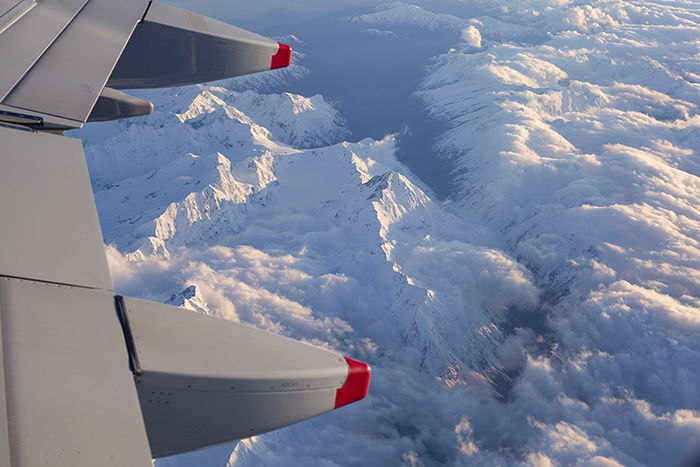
point(268, 11)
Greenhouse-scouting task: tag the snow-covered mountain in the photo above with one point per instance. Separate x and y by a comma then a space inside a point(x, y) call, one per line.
point(342, 217)
point(547, 312)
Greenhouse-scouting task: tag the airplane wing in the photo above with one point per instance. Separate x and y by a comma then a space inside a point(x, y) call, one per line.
point(86, 377)
point(58, 55)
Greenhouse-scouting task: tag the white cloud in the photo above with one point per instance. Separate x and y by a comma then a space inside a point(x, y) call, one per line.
point(472, 36)
point(465, 438)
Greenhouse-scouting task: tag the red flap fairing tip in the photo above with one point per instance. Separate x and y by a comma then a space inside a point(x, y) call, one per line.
point(356, 386)
point(283, 57)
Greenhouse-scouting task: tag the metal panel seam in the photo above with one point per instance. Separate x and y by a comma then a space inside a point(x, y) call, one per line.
point(78, 122)
point(15, 14)
point(227, 391)
point(134, 363)
point(143, 18)
point(48, 120)
point(53, 282)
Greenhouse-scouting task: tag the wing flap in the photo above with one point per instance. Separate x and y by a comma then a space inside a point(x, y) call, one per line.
point(49, 226)
point(203, 381)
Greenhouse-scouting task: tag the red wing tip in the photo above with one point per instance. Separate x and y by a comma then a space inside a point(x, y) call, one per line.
point(356, 385)
point(283, 57)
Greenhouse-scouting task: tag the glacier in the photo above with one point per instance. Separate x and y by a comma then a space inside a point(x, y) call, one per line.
point(514, 248)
